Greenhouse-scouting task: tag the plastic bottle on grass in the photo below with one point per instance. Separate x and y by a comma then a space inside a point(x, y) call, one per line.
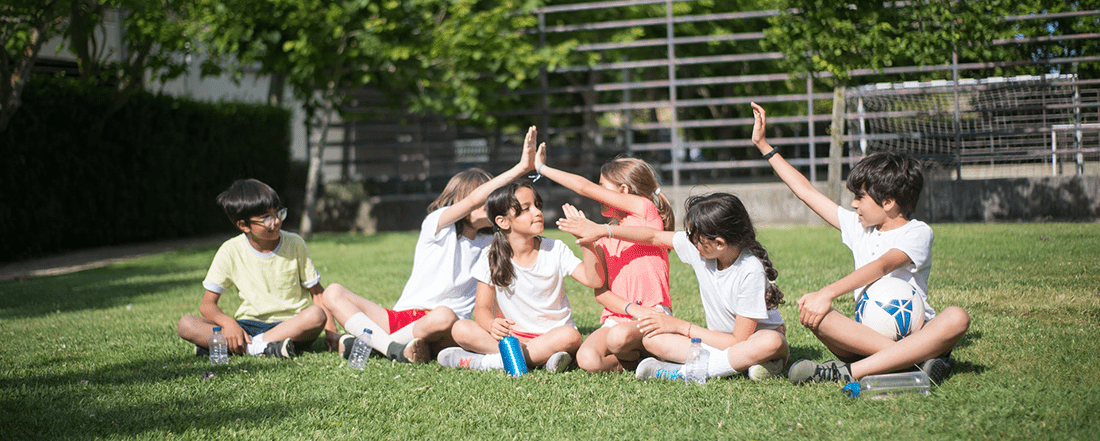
point(879, 386)
point(219, 350)
point(360, 351)
point(695, 367)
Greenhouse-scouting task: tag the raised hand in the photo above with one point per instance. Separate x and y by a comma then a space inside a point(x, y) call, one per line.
point(540, 156)
point(527, 157)
point(760, 122)
point(578, 225)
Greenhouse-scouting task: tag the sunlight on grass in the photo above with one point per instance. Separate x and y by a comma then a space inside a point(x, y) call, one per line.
point(94, 355)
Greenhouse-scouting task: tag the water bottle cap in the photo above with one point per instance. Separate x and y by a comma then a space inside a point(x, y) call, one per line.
point(217, 329)
point(851, 389)
point(367, 331)
point(696, 340)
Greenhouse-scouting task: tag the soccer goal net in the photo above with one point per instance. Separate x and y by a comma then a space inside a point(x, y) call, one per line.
point(987, 128)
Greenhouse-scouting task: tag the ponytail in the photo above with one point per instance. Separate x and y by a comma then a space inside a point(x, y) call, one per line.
point(773, 297)
point(664, 208)
point(501, 271)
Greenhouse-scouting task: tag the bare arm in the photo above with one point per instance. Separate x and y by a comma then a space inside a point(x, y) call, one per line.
point(485, 306)
point(630, 203)
point(586, 231)
point(591, 271)
point(813, 306)
point(476, 198)
point(794, 179)
point(235, 337)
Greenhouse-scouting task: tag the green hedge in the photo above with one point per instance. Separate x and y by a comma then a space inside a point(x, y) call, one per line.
point(71, 179)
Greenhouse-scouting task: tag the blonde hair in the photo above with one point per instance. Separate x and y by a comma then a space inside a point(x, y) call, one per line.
point(640, 180)
point(460, 186)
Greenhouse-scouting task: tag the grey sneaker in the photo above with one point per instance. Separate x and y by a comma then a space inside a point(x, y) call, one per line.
point(201, 351)
point(457, 357)
point(657, 369)
point(280, 349)
point(559, 362)
point(803, 371)
point(346, 342)
point(938, 369)
point(765, 370)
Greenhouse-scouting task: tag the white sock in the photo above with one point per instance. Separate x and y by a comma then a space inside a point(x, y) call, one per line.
point(257, 346)
point(403, 335)
point(720, 364)
point(379, 339)
point(492, 361)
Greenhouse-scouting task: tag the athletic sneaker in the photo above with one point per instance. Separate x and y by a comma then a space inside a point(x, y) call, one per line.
point(280, 349)
point(657, 369)
point(765, 370)
point(559, 362)
point(938, 369)
point(201, 351)
point(803, 371)
point(346, 342)
point(457, 357)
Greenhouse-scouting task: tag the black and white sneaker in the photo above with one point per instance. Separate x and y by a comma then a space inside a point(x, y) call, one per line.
point(280, 349)
point(201, 351)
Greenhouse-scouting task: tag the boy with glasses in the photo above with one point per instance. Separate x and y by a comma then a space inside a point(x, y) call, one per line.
point(275, 280)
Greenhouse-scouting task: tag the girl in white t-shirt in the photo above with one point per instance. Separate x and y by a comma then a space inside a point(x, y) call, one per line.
point(440, 289)
point(744, 331)
point(520, 289)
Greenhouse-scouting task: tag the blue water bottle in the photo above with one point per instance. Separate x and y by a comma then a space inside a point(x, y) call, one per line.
point(512, 354)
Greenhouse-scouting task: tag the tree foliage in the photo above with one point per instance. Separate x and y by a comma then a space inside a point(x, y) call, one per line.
point(820, 36)
point(25, 26)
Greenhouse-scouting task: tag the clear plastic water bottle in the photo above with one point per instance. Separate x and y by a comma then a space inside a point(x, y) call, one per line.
point(219, 350)
point(879, 386)
point(360, 351)
point(695, 367)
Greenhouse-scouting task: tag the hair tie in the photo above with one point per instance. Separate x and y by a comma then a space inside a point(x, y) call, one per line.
point(657, 191)
point(538, 173)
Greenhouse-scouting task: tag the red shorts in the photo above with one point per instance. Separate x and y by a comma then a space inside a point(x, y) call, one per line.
point(401, 319)
point(525, 337)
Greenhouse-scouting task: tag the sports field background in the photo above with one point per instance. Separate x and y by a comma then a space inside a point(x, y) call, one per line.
point(94, 355)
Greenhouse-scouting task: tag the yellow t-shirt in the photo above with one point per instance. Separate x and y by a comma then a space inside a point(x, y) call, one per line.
point(272, 286)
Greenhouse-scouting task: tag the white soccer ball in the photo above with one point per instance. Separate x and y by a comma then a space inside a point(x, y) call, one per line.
point(892, 307)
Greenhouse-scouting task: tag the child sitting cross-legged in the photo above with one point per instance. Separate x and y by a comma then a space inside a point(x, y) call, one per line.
point(521, 289)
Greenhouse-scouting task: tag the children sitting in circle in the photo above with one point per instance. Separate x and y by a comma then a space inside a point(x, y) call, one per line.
point(520, 289)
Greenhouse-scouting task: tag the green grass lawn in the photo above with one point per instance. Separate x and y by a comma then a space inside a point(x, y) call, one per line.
point(95, 355)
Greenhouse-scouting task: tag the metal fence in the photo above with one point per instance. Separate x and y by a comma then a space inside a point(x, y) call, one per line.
point(687, 111)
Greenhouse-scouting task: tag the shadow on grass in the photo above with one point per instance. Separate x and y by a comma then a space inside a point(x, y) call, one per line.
point(101, 288)
point(153, 397)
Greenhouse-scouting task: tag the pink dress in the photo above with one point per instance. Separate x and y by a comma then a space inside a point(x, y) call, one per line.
point(636, 272)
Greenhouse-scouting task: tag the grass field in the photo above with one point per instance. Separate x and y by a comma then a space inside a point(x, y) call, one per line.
point(95, 355)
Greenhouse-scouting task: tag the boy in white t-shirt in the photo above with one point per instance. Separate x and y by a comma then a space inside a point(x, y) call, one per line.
point(275, 280)
point(884, 242)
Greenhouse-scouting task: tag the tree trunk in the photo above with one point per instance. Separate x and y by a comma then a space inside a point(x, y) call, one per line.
point(313, 176)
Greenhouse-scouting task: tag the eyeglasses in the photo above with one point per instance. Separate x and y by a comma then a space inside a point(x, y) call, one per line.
point(269, 221)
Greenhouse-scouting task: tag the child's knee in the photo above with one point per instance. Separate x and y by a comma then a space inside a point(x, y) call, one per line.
point(314, 316)
point(588, 359)
point(957, 318)
point(621, 338)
